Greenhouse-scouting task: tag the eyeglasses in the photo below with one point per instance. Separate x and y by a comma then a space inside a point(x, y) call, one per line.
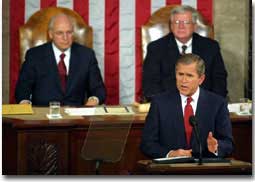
point(184, 22)
point(61, 34)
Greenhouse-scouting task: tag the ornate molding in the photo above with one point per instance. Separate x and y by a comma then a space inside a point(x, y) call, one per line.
point(42, 158)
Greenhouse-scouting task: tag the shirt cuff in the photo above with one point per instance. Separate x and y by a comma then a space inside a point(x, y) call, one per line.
point(25, 102)
point(94, 98)
point(168, 154)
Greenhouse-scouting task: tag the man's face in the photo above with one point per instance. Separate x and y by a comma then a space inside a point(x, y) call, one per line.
point(187, 79)
point(62, 33)
point(182, 26)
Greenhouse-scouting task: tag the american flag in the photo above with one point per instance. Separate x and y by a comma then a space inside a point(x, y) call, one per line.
point(116, 38)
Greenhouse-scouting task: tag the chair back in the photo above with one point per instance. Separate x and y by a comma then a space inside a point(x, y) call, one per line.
point(158, 26)
point(35, 30)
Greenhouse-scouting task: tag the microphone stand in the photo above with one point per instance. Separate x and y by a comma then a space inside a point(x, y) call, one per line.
point(193, 123)
point(200, 148)
point(98, 162)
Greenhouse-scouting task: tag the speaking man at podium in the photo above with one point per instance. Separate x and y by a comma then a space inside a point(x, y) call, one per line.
point(167, 131)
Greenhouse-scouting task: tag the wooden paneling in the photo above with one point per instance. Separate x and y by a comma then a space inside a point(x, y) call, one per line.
point(242, 133)
point(43, 152)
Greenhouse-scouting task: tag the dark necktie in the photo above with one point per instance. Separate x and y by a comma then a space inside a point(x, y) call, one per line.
point(188, 111)
point(184, 47)
point(62, 71)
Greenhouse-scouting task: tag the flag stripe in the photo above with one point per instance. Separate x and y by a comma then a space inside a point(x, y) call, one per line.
point(126, 51)
point(82, 8)
point(96, 19)
point(65, 4)
point(31, 6)
point(143, 11)
point(17, 15)
point(169, 2)
point(206, 9)
point(192, 3)
point(112, 51)
point(48, 3)
point(156, 4)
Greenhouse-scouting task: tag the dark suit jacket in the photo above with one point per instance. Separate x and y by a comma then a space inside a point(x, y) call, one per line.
point(164, 128)
point(39, 77)
point(162, 54)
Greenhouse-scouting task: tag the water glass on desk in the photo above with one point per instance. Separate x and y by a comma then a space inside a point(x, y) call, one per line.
point(245, 106)
point(54, 110)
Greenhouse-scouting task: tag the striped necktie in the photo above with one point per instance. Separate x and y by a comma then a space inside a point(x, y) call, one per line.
point(184, 48)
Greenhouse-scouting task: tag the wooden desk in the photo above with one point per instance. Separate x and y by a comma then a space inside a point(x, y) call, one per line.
point(35, 145)
point(235, 167)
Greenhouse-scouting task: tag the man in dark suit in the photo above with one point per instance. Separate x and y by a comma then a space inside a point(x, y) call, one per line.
point(162, 54)
point(60, 70)
point(165, 133)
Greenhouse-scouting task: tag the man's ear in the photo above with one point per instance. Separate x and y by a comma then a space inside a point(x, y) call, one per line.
point(195, 27)
point(50, 33)
point(201, 79)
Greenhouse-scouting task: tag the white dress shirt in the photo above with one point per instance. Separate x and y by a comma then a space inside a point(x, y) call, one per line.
point(193, 103)
point(188, 44)
point(57, 54)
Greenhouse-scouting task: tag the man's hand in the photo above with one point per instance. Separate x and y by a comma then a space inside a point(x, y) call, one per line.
point(212, 143)
point(25, 102)
point(180, 152)
point(92, 101)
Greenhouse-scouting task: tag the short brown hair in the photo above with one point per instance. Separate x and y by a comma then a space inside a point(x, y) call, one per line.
point(187, 59)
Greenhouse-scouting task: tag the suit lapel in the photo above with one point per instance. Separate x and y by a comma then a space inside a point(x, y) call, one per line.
point(179, 122)
point(52, 64)
point(202, 106)
point(196, 46)
point(173, 51)
point(201, 114)
point(73, 65)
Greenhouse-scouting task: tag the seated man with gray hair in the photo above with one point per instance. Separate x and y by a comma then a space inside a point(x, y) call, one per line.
point(60, 70)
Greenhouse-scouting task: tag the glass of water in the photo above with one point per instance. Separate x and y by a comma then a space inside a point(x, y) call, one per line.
point(244, 106)
point(54, 109)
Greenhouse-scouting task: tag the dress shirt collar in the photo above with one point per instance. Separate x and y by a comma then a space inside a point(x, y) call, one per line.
point(188, 44)
point(57, 54)
point(194, 101)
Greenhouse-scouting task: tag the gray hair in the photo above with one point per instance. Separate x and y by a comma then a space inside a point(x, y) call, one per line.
point(182, 9)
point(188, 59)
point(52, 20)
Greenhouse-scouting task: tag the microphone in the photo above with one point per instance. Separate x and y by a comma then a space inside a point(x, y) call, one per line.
point(193, 123)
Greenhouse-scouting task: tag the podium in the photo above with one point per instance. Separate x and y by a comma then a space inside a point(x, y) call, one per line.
point(234, 167)
point(105, 141)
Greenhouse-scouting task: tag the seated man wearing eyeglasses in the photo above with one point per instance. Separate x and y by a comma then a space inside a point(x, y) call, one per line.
point(60, 70)
point(162, 54)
